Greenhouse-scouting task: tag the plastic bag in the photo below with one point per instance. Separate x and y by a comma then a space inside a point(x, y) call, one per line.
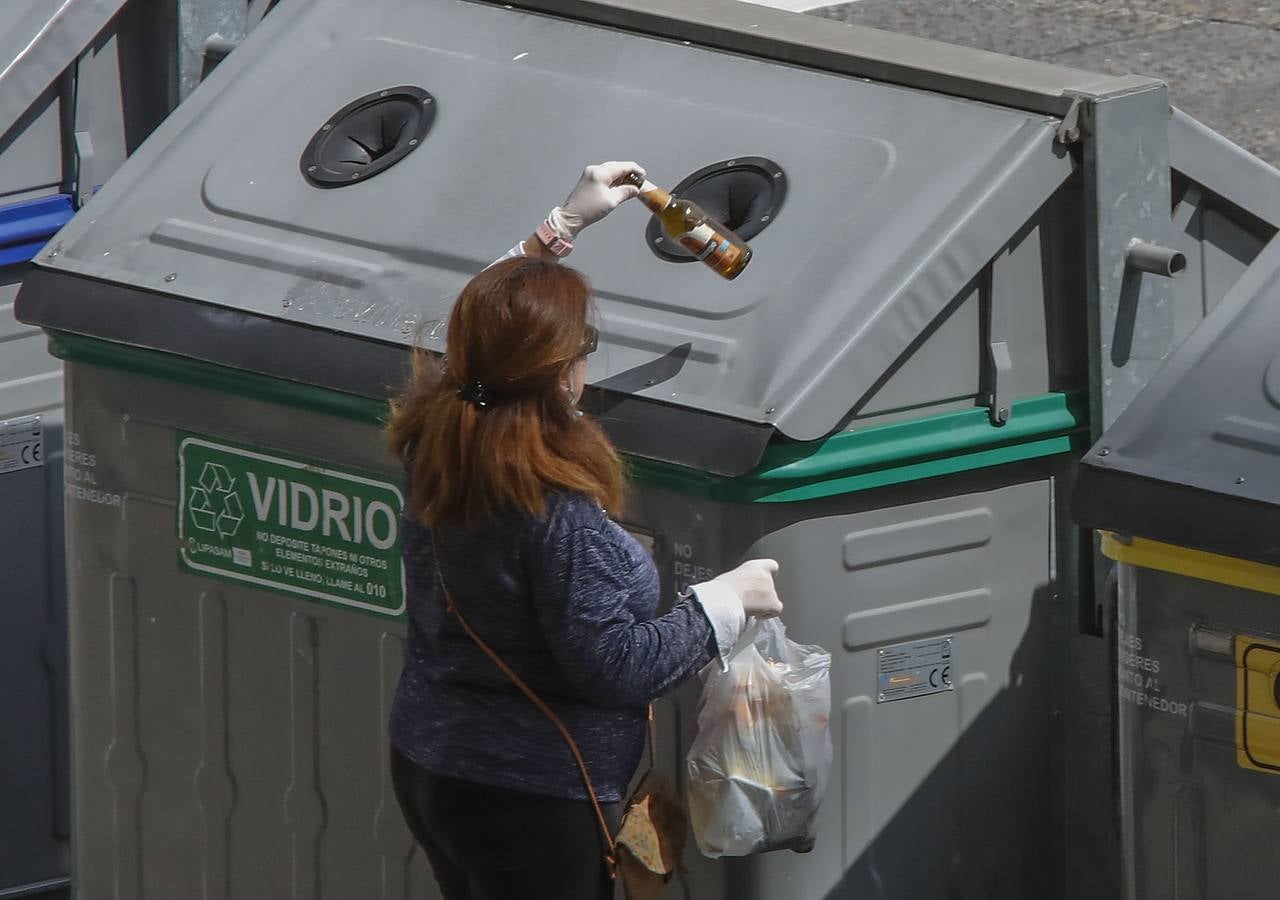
point(760, 762)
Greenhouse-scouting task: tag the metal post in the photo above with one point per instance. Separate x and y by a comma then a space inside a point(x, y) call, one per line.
point(1131, 322)
point(198, 21)
point(1127, 196)
point(211, 25)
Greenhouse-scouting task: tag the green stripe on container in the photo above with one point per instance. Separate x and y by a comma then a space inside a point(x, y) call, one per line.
point(790, 472)
point(883, 455)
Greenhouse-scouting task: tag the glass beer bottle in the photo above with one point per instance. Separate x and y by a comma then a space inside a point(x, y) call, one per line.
point(688, 224)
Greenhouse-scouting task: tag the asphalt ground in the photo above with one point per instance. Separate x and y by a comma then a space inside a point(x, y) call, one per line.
point(1220, 58)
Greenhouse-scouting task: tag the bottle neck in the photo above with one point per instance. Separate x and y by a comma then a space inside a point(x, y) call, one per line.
point(653, 196)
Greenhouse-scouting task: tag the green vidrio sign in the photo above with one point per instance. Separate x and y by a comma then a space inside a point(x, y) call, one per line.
point(290, 524)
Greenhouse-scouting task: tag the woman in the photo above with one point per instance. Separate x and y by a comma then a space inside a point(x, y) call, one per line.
point(510, 495)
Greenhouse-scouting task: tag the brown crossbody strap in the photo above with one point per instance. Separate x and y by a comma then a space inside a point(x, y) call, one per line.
point(610, 855)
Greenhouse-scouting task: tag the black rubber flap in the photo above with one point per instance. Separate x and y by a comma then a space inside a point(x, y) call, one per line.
point(678, 435)
point(368, 136)
point(1176, 514)
point(743, 193)
point(366, 368)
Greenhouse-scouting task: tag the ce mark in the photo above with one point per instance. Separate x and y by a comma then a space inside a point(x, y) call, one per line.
point(940, 676)
point(30, 454)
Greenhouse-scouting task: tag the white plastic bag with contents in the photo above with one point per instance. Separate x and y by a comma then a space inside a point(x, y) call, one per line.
point(761, 760)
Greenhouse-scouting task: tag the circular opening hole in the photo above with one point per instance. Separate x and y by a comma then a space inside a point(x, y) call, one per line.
point(368, 136)
point(1177, 264)
point(743, 193)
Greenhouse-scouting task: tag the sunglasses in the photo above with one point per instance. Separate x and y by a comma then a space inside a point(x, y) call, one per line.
point(590, 342)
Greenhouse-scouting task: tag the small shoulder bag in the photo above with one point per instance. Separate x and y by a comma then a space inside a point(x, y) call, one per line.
point(650, 842)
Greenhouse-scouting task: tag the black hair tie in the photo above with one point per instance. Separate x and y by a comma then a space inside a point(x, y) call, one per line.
point(475, 393)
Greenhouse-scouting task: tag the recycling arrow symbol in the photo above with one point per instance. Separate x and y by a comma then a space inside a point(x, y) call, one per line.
point(215, 506)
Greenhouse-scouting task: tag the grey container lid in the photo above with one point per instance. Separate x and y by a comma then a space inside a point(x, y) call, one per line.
point(38, 40)
point(1195, 459)
point(896, 199)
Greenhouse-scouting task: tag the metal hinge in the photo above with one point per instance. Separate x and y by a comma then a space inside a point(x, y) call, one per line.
point(84, 168)
point(999, 362)
point(1069, 129)
point(216, 49)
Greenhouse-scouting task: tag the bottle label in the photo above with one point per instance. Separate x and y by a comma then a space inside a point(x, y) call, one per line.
point(701, 241)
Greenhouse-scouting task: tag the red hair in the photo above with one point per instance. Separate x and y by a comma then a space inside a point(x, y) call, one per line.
point(516, 329)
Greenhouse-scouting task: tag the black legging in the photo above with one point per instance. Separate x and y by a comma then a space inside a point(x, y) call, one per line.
point(488, 843)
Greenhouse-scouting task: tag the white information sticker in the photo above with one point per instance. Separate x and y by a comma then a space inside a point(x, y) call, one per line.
point(913, 670)
point(21, 444)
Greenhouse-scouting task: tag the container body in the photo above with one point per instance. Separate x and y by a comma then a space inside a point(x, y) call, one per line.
point(230, 737)
point(1198, 722)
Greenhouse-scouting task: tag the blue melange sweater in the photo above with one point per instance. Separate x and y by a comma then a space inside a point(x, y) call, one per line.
point(568, 601)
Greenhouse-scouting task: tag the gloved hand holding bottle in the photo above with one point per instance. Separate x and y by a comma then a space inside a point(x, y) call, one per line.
point(600, 190)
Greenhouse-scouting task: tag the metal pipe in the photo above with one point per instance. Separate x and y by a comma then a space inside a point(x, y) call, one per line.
point(1157, 260)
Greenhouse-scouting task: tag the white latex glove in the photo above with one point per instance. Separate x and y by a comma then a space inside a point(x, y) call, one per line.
point(594, 197)
point(728, 599)
point(753, 583)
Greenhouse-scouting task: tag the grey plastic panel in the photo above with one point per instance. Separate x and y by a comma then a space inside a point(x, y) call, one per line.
point(1227, 252)
point(1228, 210)
point(35, 808)
point(1197, 822)
point(865, 254)
point(1220, 244)
point(964, 772)
point(31, 156)
point(1209, 159)
point(946, 366)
